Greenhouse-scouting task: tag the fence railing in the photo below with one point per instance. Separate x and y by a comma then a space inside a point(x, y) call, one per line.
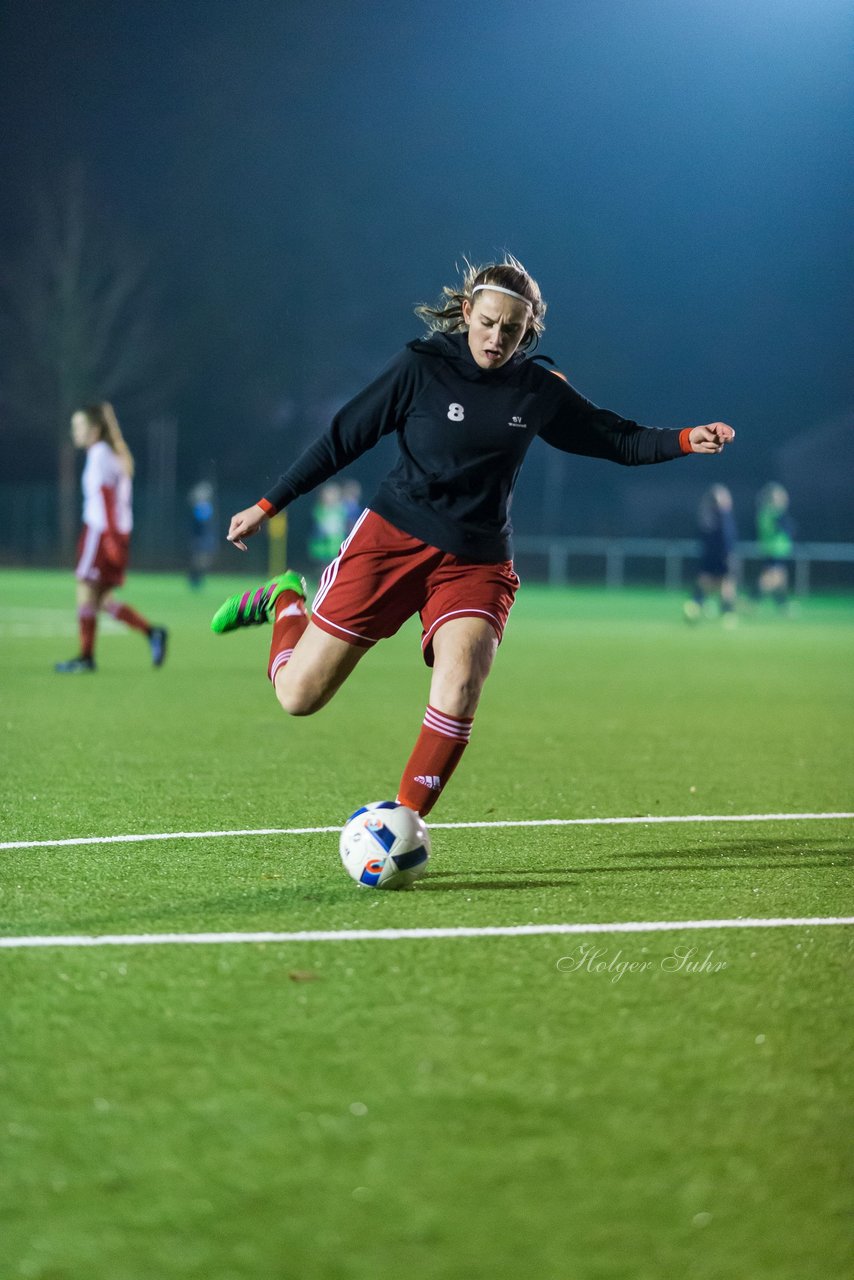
point(672, 553)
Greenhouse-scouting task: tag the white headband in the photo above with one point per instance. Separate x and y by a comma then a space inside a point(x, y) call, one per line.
point(499, 288)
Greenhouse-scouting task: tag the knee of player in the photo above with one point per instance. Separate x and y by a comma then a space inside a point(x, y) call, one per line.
point(466, 689)
point(296, 698)
point(294, 703)
point(459, 694)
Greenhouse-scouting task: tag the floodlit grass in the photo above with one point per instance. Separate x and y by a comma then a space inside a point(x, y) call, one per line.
point(615, 1106)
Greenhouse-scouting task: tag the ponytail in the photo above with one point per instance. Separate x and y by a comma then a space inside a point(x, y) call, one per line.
point(103, 418)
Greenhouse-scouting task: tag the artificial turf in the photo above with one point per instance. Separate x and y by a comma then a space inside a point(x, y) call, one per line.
point(607, 1106)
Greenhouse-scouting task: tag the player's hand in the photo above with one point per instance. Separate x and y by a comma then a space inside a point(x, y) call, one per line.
point(244, 525)
point(711, 438)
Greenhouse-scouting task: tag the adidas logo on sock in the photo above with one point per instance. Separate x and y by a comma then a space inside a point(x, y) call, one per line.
point(431, 780)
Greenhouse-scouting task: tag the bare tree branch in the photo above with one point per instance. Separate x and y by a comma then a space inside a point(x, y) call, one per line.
point(81, 322)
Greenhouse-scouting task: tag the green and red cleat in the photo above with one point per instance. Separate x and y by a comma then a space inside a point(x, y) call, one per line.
point(254, 607)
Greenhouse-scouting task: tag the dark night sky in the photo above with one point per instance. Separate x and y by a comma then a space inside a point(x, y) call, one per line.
point(672, 171)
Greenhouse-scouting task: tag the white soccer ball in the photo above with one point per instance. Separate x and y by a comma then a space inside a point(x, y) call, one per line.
point(385, 845)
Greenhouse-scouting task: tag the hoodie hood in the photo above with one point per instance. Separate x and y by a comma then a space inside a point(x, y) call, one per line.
point(454, 347)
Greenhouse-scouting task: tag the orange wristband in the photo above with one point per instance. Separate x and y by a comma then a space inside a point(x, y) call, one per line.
point(269, 509)
point(684, 441)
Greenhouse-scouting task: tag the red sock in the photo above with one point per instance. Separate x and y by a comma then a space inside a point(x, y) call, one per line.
point(124, 613)
point(436, 754)
point(87, 621)
point(290, 621)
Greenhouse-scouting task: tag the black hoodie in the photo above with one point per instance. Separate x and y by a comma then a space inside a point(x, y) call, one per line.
point(463, 433)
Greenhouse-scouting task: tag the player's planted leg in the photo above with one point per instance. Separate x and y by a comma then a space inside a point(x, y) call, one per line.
point(87, 623)
point(464, 649)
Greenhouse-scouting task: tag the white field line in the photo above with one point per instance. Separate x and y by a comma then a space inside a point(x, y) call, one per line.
point(31, 624)
point(395, 935)
point(649, 820)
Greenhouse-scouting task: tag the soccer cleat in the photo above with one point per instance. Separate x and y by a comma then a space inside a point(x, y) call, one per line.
point(252, 608)
point(157, 638)
point(74, 666)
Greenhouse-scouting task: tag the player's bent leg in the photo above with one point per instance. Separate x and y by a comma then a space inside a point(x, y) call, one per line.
point(156, 636)
point(316, 670)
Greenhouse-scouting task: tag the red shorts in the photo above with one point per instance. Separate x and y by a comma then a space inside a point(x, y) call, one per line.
point(103, 564)
point(383, 576)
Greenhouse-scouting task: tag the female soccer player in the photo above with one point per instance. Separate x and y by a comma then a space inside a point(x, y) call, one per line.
point(465, 404)
point(102, 550)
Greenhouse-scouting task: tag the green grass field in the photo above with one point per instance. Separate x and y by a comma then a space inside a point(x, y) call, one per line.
point(642, 1105)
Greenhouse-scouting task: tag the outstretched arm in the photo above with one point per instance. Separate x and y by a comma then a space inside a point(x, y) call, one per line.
point(710, 438)
point(575, 425)
point(357, 427)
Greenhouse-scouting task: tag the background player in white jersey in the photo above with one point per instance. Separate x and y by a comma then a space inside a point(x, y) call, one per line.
point(102, 550)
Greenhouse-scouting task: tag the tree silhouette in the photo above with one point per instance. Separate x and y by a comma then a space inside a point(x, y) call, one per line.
point(81, 323)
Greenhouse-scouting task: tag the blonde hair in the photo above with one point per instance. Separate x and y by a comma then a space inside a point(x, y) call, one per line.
point(447, 315)
point(103, 418)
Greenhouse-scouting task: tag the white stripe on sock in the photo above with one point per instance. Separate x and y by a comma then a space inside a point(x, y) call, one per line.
point(279, 661)
point(448, 726)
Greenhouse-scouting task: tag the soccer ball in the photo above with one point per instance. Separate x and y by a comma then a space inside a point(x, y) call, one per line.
point(385, 845)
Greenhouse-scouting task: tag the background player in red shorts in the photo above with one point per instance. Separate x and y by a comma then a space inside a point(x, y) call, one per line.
point(102, 550)
point(465, 404)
